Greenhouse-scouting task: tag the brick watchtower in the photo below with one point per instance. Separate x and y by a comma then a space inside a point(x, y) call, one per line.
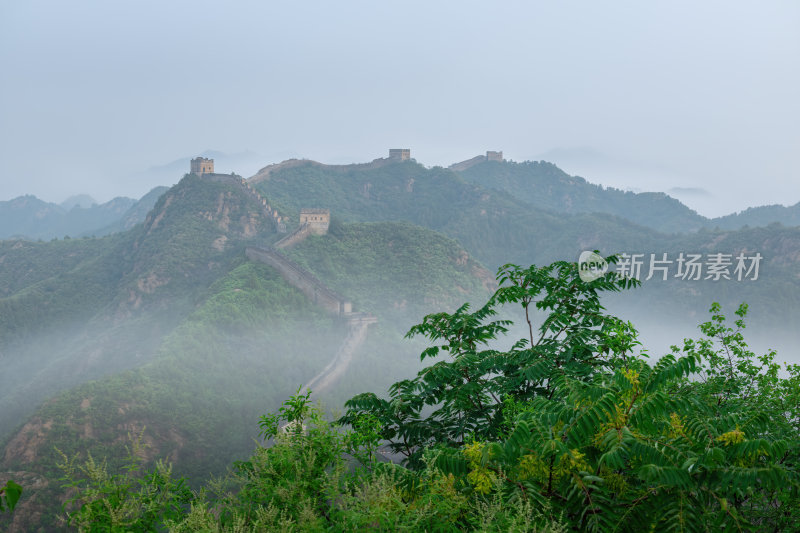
point(402, 154)
point(201, 165)
point(318, 220)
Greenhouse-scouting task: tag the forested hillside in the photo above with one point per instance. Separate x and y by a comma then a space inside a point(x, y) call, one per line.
point(544, 185)
point(496, 227)
point(761, 216)
point(188, 341)
point(78, 309)
point(493, 225)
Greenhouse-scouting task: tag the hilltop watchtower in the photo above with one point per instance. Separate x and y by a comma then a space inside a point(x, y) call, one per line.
point(201, 165)
point(400, 154)
point(494, 156)
point(318, 220)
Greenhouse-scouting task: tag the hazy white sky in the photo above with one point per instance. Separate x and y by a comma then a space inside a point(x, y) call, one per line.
point(649, 95)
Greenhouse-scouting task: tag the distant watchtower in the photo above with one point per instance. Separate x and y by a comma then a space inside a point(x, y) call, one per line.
point(201, 165)
point(318, 220)
point(494, 156)
point(401, 154)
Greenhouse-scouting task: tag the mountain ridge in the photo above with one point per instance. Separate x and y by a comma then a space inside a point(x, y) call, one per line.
point(538, 183)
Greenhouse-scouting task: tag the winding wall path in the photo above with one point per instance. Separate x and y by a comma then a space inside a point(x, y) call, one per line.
point(356, 334)
point(323, 296)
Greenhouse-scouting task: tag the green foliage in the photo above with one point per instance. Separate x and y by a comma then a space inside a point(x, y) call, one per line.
point(129, 501)
point(303, 482)
point(9, 495)
point(53, 284)
point(393, 266)
point(733, 379)
point(293, 412)
point(573, 420)
point(461, 398)
point(199, 397)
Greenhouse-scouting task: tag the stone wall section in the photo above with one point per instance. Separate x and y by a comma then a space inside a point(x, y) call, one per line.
point(299, 234)
point(357, 325)
point(234, 179)
point(299, 277)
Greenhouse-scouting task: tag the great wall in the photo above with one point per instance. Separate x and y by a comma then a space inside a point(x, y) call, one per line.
point(315, 222)
point(491, 155)
point(312, 222)
point(316, 291)
point(204, 168)
point(395, 155)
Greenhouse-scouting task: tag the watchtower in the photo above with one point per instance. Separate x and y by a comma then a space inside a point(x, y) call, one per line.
point(318, 220)
point(201, 165)
point(401, 154)
point(494, 156)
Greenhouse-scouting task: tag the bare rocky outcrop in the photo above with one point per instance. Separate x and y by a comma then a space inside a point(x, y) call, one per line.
point(24, 447)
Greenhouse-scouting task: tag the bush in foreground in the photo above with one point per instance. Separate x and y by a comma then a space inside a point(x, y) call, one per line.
point(570, 429)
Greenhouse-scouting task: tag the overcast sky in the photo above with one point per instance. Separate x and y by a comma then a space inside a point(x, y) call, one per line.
point(644, 95)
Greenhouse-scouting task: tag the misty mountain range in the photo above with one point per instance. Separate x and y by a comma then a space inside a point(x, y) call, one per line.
point(164, 326)
point(541, 184)
point(28, 217)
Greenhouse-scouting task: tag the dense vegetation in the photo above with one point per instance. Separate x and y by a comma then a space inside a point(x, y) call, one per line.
point(494, 226)
point(9, 495)
point(570, 429)
point(195, 358)
point(195, 400)
point(544, 185)
point(370, 261)
point(80, 309)
point(490, 224)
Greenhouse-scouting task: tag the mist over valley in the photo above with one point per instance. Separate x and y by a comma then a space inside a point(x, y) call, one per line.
point(179, 329)
point(443, 266)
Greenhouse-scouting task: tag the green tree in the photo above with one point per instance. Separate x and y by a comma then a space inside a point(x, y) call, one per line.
point(573, 419)
point(462, 398)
